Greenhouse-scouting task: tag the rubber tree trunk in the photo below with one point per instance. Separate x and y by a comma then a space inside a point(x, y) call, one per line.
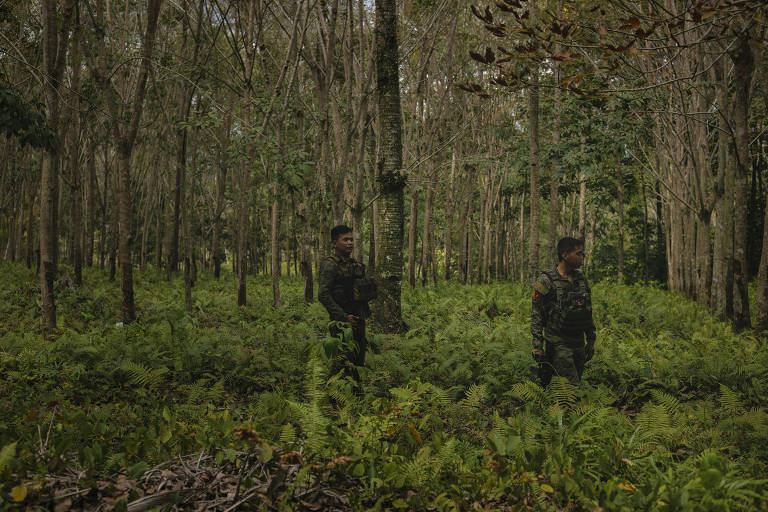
point(554, 178)
point(744, 67)
point(388, 313)
point(426, 248)
point(55, 41)
point(244, 184)
point(91, 204)
point(533, 127)
point(275, 251)
point(620, 209)
point(413, 222)
point(450, 203)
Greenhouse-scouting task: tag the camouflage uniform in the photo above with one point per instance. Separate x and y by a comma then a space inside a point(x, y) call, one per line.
point(561, 316)
point(336, 294)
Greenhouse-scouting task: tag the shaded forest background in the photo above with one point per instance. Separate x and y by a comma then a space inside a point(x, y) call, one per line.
point(197, 135)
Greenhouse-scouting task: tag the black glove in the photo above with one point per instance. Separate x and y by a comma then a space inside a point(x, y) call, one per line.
point(538, 355)
point(589, 351)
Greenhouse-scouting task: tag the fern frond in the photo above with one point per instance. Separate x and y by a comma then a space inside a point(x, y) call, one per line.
point(562, 392)
point(669, 402)
point(143, 376)
point(217, 392)
point(474, 398)
point(729, 399)
point(287, 434)
point(529, 392)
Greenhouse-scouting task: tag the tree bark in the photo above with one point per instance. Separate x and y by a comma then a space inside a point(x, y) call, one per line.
point(744, 67)
point(391, 180)
point(413, 221)
point(620, 210)
point(56, 26)
point(533, 121)
point(91, 204)
point(450, 207)
point(426, 248)
point(275, 251)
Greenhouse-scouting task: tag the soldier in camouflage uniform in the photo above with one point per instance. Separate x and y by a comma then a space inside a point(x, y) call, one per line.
point(561, 316)
point(337, 274)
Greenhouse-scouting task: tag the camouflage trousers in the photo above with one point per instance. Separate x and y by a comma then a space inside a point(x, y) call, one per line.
point(349, 359)
point(563, 359)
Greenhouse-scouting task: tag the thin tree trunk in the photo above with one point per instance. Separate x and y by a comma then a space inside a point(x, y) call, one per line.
point(413, 221)
point(450, 206)
point(646, 243)
point(426, 249)
point(620, 208)
point(275, 250)
point(91, 204)
point(554, 173)
point(533, 121)
point(245, 176)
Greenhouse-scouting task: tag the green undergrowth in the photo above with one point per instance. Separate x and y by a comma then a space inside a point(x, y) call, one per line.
point(670, 416)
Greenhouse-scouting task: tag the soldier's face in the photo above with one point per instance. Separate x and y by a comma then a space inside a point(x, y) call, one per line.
point(575, 258)
point(344, 244)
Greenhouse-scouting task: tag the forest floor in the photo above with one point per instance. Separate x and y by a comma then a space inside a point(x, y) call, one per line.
point(231, 408)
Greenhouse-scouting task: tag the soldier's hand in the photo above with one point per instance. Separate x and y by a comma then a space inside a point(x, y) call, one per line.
point(538, 355)
point(352, 319)
point(589, 351)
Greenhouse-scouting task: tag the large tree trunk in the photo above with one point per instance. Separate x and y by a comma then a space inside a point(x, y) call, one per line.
point(55, 39)
point(391, 180)
point(744, 66)
point(124, 216)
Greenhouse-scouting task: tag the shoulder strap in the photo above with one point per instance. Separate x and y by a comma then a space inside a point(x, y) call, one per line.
point(550, 274)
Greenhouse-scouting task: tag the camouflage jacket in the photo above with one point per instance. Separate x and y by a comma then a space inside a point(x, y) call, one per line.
point(336, 288)
point(561, 308)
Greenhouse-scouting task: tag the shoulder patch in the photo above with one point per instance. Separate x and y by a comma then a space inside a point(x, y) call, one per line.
point(541, 288)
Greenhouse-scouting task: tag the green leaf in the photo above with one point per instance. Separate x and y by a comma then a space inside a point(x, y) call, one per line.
point(266, 452)
point(138, 469)
point(6, 455)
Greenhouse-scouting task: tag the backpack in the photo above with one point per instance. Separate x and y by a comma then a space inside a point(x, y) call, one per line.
point(358, 287)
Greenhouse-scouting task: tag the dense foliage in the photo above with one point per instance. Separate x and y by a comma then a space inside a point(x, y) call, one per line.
point(671, 414)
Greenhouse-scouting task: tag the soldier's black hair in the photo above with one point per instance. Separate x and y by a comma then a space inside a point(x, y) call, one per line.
point(339, 230)
point(568, 244)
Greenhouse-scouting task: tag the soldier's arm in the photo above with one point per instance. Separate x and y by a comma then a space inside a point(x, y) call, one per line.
point(328, 275)
point(541, 290)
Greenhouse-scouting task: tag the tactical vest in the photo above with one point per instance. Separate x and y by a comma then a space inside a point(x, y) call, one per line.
point(356, 286)
point(570, 309)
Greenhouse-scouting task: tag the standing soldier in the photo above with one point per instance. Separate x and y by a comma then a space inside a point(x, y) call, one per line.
point(561, 316)
point(345, 292)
